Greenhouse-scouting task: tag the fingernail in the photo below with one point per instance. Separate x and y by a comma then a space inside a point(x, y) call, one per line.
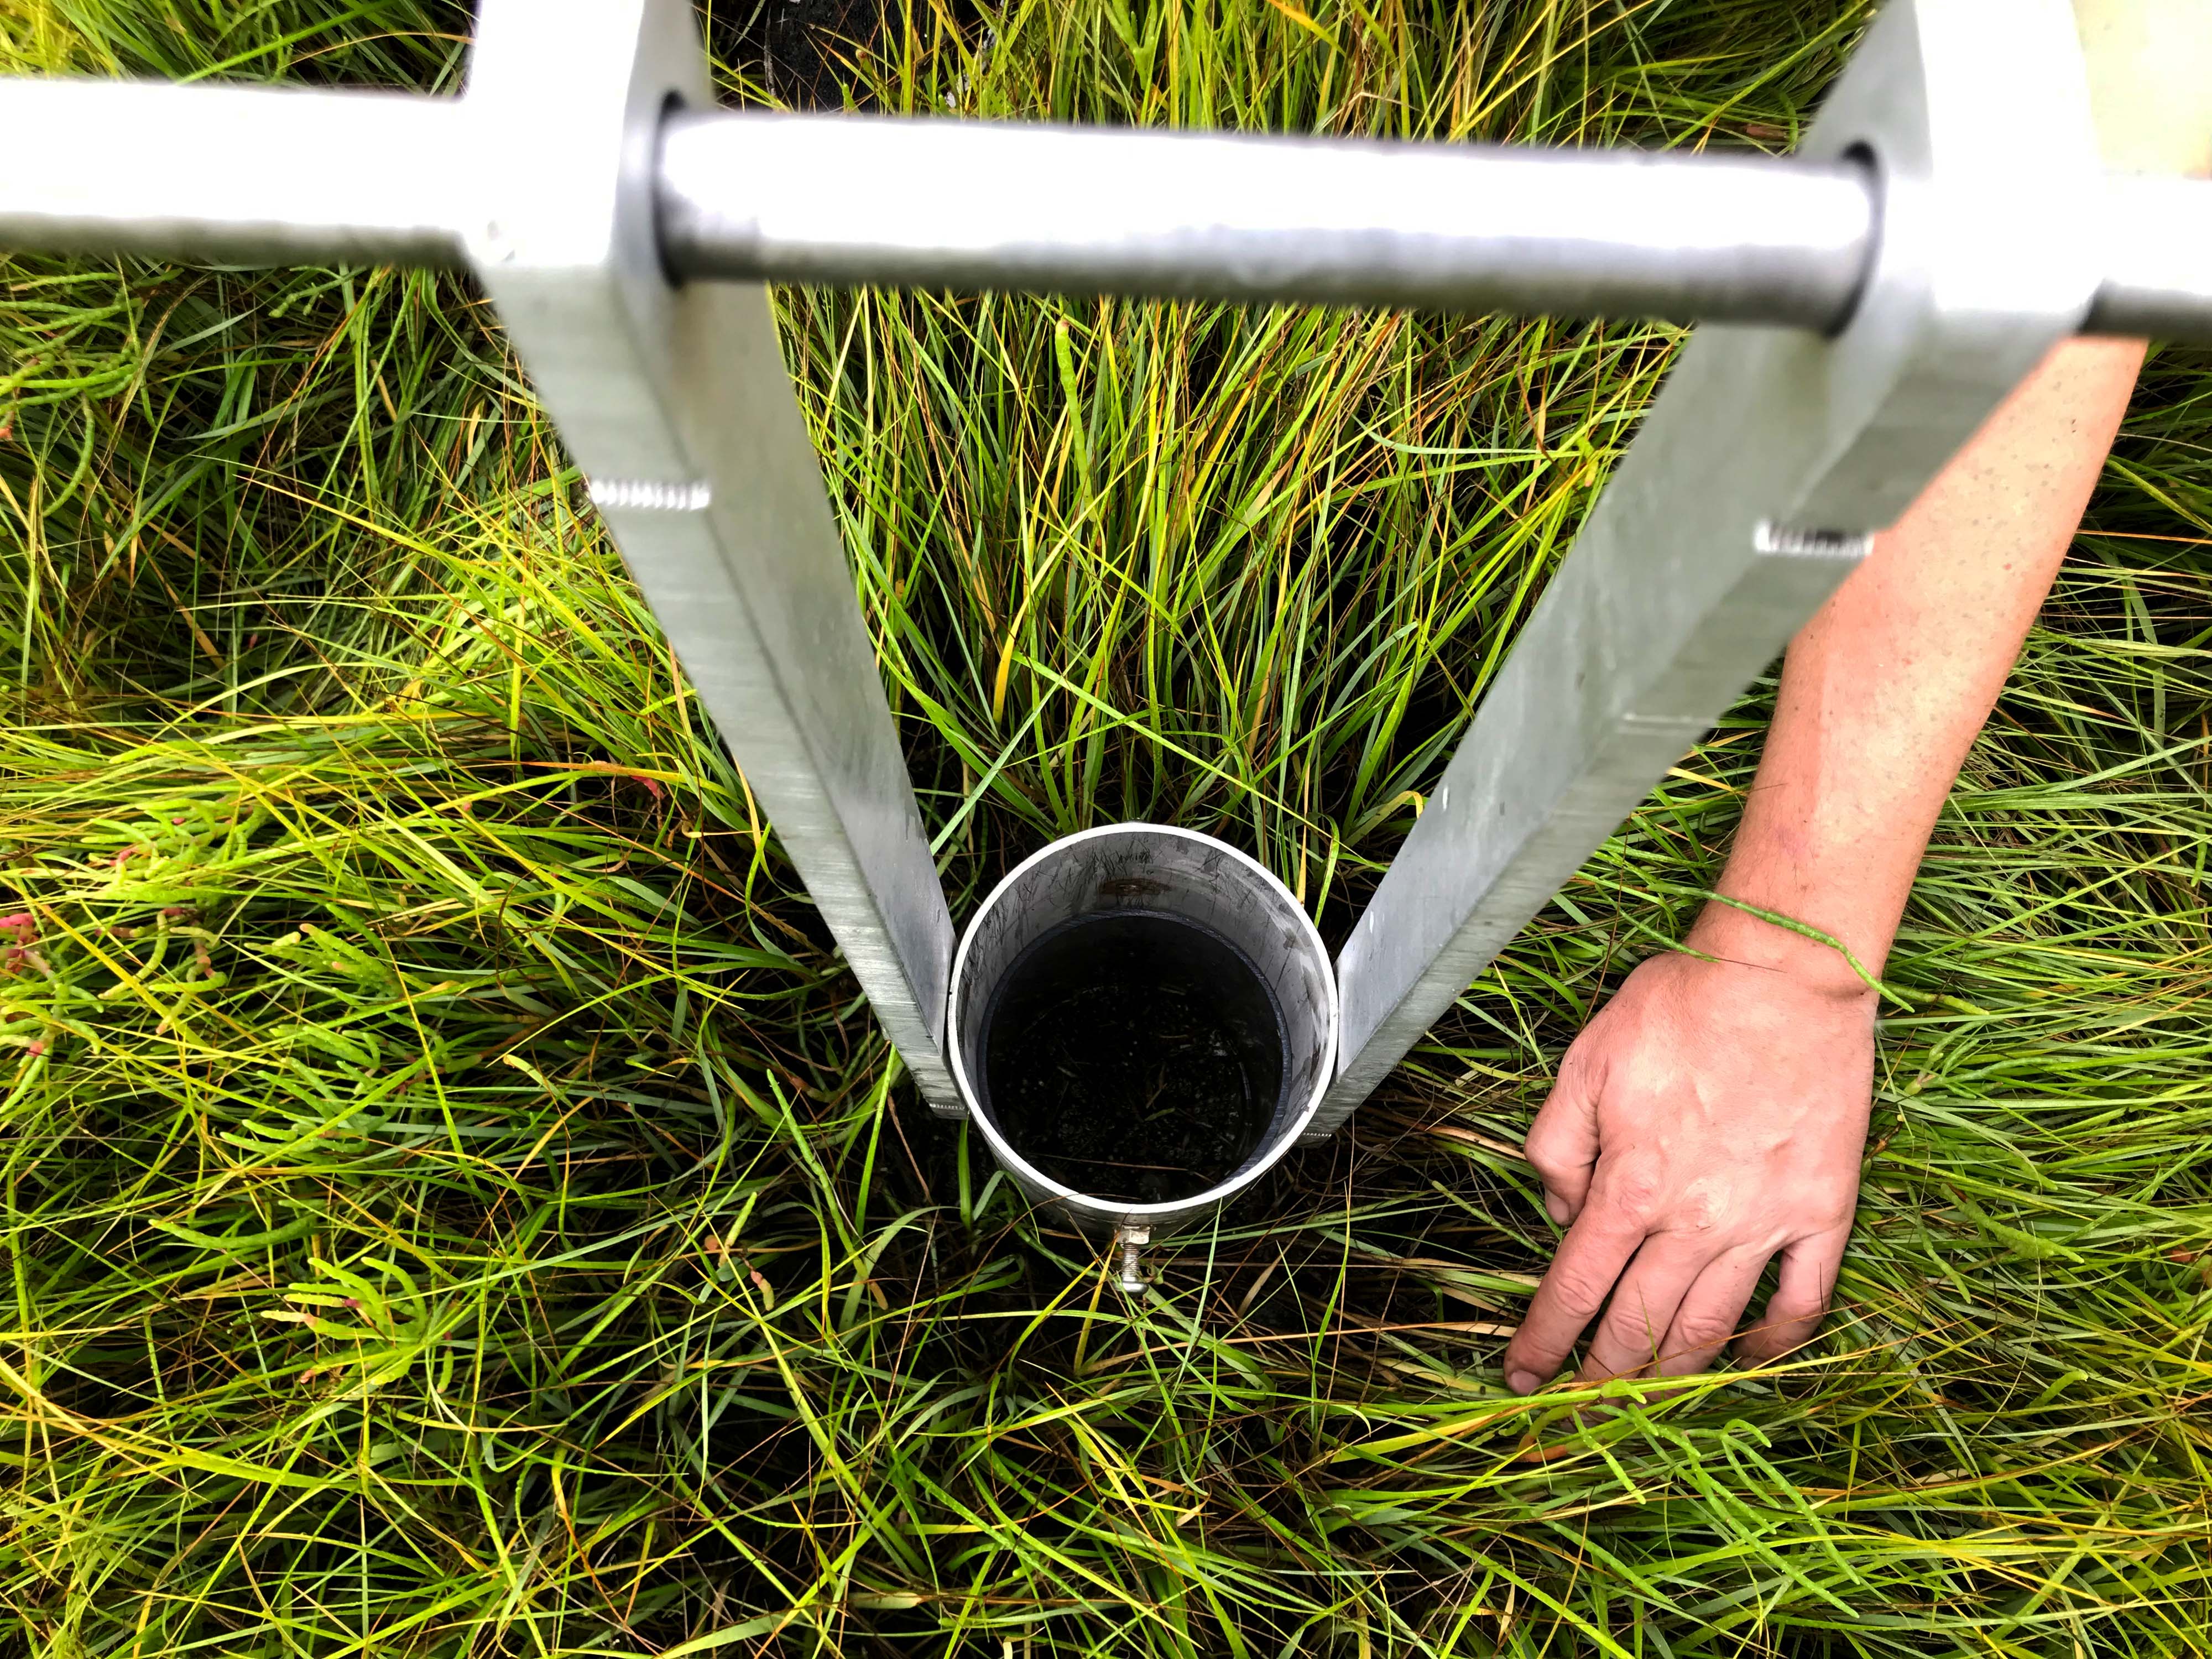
point(1523, 1381)
point(1556, 1208)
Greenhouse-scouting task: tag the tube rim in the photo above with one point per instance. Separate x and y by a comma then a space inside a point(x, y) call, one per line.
point(1084, 1204)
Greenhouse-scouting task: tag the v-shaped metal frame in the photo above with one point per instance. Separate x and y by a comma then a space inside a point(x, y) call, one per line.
point(1873, 300)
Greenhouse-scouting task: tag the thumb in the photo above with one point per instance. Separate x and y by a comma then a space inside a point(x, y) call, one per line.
point(1563, 1142)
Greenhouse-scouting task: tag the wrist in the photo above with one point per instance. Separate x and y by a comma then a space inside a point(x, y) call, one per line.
point(1738, 940)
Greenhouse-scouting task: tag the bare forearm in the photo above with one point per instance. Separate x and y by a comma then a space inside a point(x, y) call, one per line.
point(1710, 1118)
point(1883, 691)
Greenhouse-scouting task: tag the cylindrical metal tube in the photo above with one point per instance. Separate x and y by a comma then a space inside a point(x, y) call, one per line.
point(253, 175)
point(2157, 251)
point(1444, 227)
point(1125, 872)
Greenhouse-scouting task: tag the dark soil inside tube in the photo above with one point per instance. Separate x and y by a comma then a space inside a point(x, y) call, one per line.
point(1133, 1056)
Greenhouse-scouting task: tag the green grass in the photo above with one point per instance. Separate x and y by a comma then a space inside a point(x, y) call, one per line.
point(454, 1203)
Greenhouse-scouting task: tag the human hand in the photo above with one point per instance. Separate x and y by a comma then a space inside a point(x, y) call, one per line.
point(1712, 1115)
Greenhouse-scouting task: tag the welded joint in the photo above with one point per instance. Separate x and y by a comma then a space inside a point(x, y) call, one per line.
point(1784, 542)
point(651, 496)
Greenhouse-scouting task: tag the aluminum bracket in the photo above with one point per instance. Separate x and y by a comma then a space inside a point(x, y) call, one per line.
point(1754, 487)
point(676, 404)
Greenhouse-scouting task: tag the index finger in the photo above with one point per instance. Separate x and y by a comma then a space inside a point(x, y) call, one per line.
point(1597, 1248)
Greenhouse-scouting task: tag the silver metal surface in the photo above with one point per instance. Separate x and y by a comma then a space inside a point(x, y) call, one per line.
point(1748, 495)
point(1446, 227)
point(676, 405)
point(249, 175)
point(2155, 250)
point(1156, 868)
point(1133, 1241)
point(286, 176)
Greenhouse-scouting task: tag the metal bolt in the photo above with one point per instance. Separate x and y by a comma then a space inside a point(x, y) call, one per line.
point(1134, 1240)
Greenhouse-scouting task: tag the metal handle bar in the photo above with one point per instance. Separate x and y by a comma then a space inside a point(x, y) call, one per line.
point(1460, 228)
point(255, 175)
point(285, 175)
